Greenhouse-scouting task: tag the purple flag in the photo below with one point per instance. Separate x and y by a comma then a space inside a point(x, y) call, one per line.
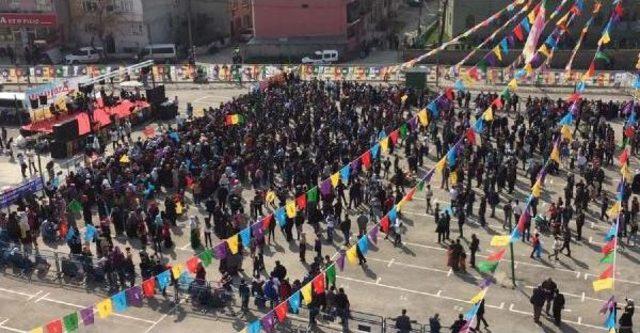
point(340, 260)
point(485, 283)
point(325, 187)
point(355, 165)
point(427, 177)
point(256, 230)
point(268, 322)
point(607, 305)
point(134, 296)
point(413, 123)
point(510, 40)
point(373, 235)
point(87, 316)
point(491, 59)
point(220, 250)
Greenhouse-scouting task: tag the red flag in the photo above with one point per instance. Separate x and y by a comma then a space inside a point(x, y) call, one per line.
point(574, 97)
point(318, 283)
point(192, 264)
point(149, 287)
point(384, 223)
point(394, 137)
point(524, 218)
point(518, 32)
point(228, 120)
point(575, 10)
point(592, 69)
point(449, 94)
point(471, 136)
point(608, 273)
point(149, 131)
point(473, 73)
point(629, 131)
point(266, 221)
point(55, 326)
point(409, 195)
point(301, 201)
point(497, 102)
point(366, 159)
point(619, 9)
point(609, 246)
point(496, 256)
point(623, 158)
point(188, 180)
point(281, 311)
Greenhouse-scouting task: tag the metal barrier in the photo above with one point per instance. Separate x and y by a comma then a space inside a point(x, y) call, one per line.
point(390, 326)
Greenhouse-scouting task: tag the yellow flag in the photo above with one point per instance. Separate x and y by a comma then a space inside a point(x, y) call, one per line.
point(528, 68)
point(423, 117)
point(403, 99)
point(400, 204)
point(176, 271)
point(532, 16)
point(124, 159)
point(488, 114)
point(513, 85)
point(352, 255)
point(270, 197)
point(453, 177)
point(603, 284)
point(544, 50)
point(555, 154)
point(105, 308)
point(605, 39)
point(566, 132)
point(614, 210)
point(290, 207)
point(37, 330)
point(384, 144)
point(179, 208)
point(496, 50)
point(536, 189)
point(500, 240)
point(478, 297)
point(233, 243)
point(441, 164)
point(625, 172)
point(306, 293)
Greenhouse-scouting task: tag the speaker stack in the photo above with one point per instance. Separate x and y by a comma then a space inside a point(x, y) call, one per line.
point(65, 136)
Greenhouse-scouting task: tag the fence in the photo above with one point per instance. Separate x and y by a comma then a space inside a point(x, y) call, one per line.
point(230, 73)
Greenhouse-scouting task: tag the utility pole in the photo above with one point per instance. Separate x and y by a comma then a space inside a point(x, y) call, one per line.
point(443, 17)
point(420, 19)
point(513, 265)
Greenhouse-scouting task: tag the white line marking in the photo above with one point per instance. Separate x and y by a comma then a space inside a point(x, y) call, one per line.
point(11, 329)
point(185, 247)
point(501, 306)
point(16, 293)
point(579, 320)
point(42, 297)
point(378, 280)
point(439, 292)
point(36, 294)
point(582, 298)
point(518, 311)
point(409, 265)
point(391, 262)
point(156, 323)
point(4, 321)
point(450, 272)
point(577, 275)
point(82, 307)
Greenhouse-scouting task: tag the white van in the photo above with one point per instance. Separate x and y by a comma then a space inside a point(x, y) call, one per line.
point(160, 53)
point(13, 110)
point(322, 57)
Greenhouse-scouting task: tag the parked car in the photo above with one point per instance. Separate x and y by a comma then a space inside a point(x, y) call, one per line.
point(322, 57)
point(85, 55)
point(160, 53)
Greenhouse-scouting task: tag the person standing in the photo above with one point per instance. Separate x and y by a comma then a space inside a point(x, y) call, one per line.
point(480, 317)
point(434, 324)
point(566, 241)
point(428, 196)
point(579, 224)
point(557, 245)
point(537, 300)
point(458, 324)
point(461, 220)
point(345, 227)
point(473, 248)
point(536, 246)
point(626, 320)
point(243, 290)
point(507, 214)
point(558, 305)
point(403, 322)
point(303, 247)
point(362, 223)
point(549, 287)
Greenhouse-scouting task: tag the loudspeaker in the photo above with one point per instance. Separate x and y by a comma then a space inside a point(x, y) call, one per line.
point(416, 80)
point(43, 99)
point(156, 95)
point(34, 103)
point(58, 149)
point(66, 131)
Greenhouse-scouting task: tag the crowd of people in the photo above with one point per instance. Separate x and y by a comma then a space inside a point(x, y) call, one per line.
point(294, 134)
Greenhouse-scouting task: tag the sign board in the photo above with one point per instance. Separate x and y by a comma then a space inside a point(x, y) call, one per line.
point(27, 19)
point(8, 196)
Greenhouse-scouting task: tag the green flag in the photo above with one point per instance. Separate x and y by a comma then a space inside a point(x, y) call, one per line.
point(420, 185)
point(206, 256)
point(71, 322)
point(75, 206)
point(482, 65)
point(602, 55)
point(403, 131)
point(505, 95)
point(331, 275)
point(608, 259)
point(487, 266)
point(312, 194)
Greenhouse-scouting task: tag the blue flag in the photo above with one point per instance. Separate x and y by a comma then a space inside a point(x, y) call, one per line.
point(245, 236)
point(119, 301)
point(472, 312)
point(567, 119)
point(504, 44)
point(551, 41)
point(294, 302)
point(254, 327)
point(525, 25)
point(382, 134)
point(375, 150)
point(90, 233)
point(520, 73)
point(478, 127)
point(459, 85)
point(163, 279)
point(433, 107)
point(611, 320)
point(393, 214)
point(174, 136)
point(452, 155)
point(363, 244)
point(612, 232)
point(345, 172)
point(185, 279)
point(581, 86)
point(280, 217)
point(70, 234)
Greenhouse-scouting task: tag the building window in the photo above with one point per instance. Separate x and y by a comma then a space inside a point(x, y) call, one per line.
point(44, 6)
point(89, 6)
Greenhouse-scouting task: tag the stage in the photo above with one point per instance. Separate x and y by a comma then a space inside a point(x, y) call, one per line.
point(101, 115)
